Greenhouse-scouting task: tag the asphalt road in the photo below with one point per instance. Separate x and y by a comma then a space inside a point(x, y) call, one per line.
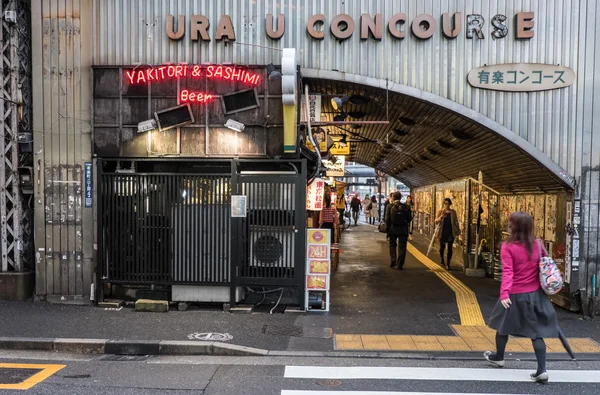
point(296, 376)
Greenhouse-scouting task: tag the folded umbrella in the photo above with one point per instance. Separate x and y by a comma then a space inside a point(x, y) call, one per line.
point(565, 343)
point(437, 228)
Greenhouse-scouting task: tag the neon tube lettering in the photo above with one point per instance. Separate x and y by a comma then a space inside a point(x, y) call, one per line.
point(227, 73)
point(195, 97)
point(130, 76)
point(150, 75)
point(237, 74)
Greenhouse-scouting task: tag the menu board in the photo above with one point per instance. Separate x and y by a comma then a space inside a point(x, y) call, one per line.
point(318, 264)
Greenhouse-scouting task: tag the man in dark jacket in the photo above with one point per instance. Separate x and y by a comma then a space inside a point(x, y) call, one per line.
point(397, 222)
point(355, 206)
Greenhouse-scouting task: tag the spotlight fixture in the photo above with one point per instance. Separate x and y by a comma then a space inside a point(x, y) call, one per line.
point(406, 121)
point(338, 102)
point(274, 74)
point(341, 117)
point(235, 125)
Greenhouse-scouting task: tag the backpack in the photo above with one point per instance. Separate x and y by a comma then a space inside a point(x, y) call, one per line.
point(400, 215)
point(370, 206)
point(551, 279)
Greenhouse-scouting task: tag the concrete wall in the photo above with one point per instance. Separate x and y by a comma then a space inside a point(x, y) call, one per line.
point(62, 56)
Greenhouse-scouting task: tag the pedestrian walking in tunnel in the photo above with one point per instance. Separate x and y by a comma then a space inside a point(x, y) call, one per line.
point(367, 208)
point(329, 217)
point(523, 309)
point(374, 210)
point(388, 201)
point(448, 230)
point(411, 204)
point(355, 207)
point(397, 226)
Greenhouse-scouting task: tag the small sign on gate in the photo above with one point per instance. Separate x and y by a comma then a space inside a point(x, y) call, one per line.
point(238, 206)
point(87, 172)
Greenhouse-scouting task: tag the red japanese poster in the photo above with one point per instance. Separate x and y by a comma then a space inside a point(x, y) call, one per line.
point(314, 195)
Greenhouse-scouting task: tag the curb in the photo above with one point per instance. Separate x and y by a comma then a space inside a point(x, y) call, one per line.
point(128, 347)
point(196, 348)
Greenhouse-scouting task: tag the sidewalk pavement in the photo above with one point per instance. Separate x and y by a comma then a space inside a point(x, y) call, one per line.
point(367, 298)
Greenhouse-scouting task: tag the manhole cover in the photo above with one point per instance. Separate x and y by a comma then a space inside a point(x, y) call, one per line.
point(329, 383)
point(280, 330)
point(211, 336)
point(296, 331)
point(317, 333)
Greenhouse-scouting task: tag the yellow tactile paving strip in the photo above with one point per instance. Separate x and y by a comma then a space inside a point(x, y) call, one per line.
point(45, 372)
point(471, 335)
point(468, 307)
point(468, 338)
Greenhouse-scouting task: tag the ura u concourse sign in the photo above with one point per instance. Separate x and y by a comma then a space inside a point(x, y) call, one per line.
point(521, 77)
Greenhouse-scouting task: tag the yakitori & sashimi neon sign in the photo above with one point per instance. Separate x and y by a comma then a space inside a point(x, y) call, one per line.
point(166, 72)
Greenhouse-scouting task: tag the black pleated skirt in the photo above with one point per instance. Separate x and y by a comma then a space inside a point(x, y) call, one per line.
point(531, 315)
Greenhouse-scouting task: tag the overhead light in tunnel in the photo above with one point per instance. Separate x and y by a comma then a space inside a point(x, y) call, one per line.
point(431, 151)
point(443, 144)
point(341, 117)
point(338, 102)
point(458, 135)
point(273, 73)
point(400, 132)
point(358, 100)
point(356, 114)
point(385, 147)
point(406, 121)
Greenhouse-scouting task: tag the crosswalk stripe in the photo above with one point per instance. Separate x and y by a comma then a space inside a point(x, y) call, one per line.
point(302, 392)
point(438, 374)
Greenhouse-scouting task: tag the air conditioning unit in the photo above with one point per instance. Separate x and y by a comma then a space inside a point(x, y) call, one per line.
point(271, 247)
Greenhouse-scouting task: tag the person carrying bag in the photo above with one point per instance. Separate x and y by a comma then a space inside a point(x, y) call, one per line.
point(524, 308)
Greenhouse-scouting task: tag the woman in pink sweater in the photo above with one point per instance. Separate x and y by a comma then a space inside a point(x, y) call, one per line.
point(523, 310)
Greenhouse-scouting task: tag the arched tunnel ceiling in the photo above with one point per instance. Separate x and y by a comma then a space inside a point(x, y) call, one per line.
point(442, 145)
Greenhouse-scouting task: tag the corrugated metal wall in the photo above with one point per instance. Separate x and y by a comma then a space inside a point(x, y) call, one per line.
point(61, 52)
point(564, 123)
point(130, 31)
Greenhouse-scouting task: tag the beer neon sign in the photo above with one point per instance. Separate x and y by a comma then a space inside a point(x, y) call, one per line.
point(194, 97)
point(217, 72)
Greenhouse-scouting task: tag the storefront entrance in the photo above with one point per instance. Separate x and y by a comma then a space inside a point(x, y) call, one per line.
point(222, 225)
